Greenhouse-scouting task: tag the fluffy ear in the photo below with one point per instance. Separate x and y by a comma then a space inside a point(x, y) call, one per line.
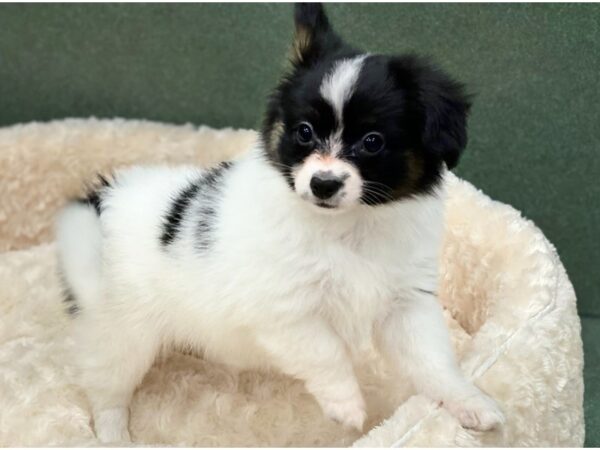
point(313, 37)
point(442, 104)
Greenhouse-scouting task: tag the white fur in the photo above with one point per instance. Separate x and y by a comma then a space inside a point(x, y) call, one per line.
point(336, 88)
point(80, 243)
point(338, 85)
point(282, 287)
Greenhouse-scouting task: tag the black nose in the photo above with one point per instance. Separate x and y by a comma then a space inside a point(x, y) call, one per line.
point(323, 185)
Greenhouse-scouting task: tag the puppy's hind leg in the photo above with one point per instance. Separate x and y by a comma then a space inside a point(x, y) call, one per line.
point(112, 358)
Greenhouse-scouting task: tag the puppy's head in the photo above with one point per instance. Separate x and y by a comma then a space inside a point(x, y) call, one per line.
point(348, 128)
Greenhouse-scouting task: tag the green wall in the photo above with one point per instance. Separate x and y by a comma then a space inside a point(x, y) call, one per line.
point(534, 132)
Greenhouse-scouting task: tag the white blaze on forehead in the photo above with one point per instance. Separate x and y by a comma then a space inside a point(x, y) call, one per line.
point(338, 85)
point(334, 142)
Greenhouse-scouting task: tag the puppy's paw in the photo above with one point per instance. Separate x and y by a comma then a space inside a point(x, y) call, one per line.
point(111, 426)
point(113, 436)
point(476, 411)
point(349, 412)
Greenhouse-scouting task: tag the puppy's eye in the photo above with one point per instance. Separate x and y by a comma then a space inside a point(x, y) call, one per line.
point(372, 143)
point(304, 133)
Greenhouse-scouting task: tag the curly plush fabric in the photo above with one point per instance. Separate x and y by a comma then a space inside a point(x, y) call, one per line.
point(509, 304)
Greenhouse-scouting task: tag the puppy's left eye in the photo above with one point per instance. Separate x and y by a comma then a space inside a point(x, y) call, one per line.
point(372, 143)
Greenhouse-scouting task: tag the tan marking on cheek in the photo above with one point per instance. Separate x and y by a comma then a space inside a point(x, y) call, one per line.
point(274, 137)
point(415, 171)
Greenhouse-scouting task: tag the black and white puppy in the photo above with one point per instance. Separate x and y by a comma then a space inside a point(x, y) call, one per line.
point(316, 248)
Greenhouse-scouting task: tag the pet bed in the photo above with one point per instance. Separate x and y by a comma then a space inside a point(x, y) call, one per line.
point(509, 304)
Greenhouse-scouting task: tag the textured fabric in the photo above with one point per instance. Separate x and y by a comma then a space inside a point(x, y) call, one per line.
point(42, 165)
point(533, 140)
point(509, 304)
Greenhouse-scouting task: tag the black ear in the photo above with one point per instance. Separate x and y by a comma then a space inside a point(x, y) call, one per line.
point(445, 107)
point(313, 37)
point(442, 105)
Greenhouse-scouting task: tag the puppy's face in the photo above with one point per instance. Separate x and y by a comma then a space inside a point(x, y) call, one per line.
point(346, 128)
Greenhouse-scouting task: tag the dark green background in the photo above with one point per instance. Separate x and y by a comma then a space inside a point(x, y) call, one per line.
point(534, 129)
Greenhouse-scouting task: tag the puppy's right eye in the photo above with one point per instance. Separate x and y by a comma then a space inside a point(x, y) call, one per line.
point(304, 133)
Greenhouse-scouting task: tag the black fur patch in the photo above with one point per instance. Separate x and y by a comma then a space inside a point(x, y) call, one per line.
point(426, 291)
point(418, 109)
point(70, 300)
point(94, 195)
point(67, 296)
point(73, 308)
point(204, 228)
point(178, 209)
point(199, 194)
point(207, 212)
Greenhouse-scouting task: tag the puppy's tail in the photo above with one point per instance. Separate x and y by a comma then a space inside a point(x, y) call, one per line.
point(79, 240)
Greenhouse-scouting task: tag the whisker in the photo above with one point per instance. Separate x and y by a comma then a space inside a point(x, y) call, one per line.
point(378, 193)
point(369, 199)
point(377, 183)
point(281, 165)
point(378, 187)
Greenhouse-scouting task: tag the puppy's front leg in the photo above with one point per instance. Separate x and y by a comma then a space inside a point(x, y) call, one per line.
point(310, 351)
point(416, 340)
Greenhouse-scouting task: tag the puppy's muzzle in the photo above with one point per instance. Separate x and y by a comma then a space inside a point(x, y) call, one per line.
point(325, 185)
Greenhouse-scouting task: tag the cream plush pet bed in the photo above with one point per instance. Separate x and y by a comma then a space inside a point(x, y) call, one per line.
point(510, 307)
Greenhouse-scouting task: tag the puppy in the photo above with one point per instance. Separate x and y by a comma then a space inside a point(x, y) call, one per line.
point(317, 247)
